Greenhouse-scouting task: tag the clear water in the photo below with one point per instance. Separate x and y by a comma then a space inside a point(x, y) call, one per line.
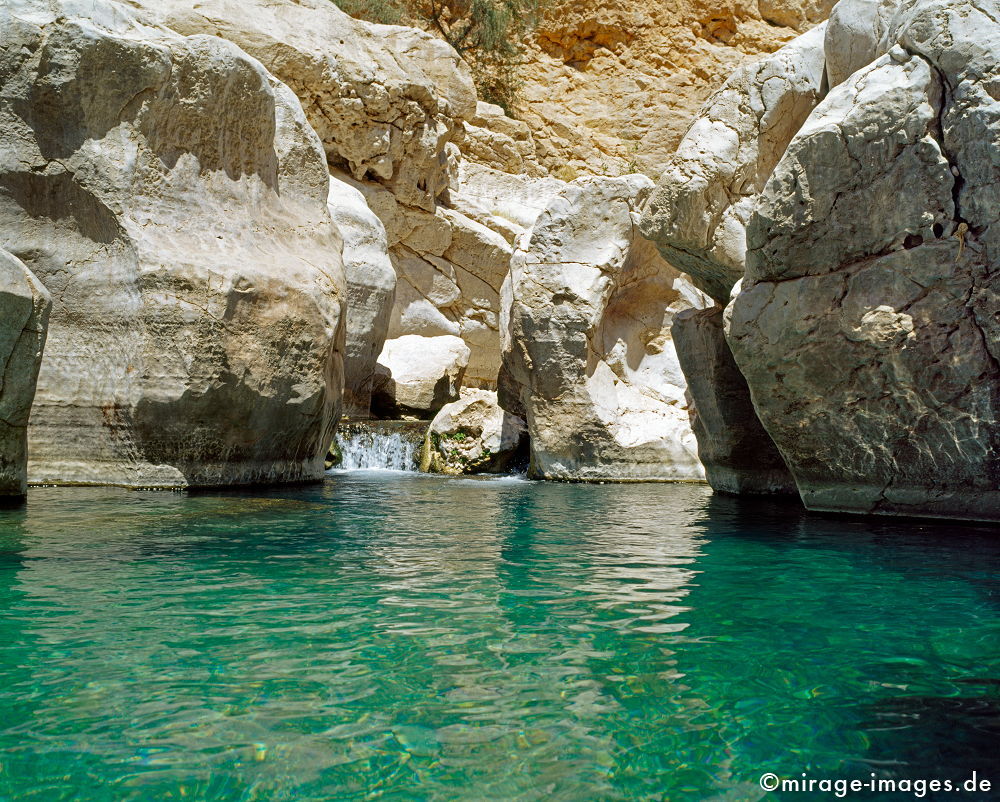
point(410, 637)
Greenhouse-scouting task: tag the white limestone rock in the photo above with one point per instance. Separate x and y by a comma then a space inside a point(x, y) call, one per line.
point(371, 289)
point(385, 99)
point(473, 435)
point(416, 375)
point(24, 315)
point(698, 214)
point(171, 196)
point(854, 36)
point(868, 325)
point(587, 356)
point(504, 202)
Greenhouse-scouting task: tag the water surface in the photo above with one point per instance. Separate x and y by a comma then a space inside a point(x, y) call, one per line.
point(400, 636)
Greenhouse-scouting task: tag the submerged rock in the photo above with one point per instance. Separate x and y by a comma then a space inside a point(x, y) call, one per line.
point(738, 454)
point(24, 317)
point(416, 376)
point(371, 290)
point(587, 356)
point(698, 213)
point(171, 196)
point(474, 435)
point(868, 326)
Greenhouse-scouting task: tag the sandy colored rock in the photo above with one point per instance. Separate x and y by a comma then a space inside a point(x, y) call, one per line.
point(385, 99)
point(171, 196)
point(473, 435)
point(610, 87)
point(24, 316)
point(867, 328)
point(698, 214)
point(416, 375)
point(738, 454)
point(587, 354)
point(495, 140)
point(371, 290)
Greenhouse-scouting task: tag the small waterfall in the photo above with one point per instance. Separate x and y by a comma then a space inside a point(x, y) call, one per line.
point(380, 445)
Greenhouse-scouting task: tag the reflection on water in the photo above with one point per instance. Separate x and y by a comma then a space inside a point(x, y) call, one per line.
point(417, 637)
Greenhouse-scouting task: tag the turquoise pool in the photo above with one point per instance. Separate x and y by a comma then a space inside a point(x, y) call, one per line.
point(398, 636)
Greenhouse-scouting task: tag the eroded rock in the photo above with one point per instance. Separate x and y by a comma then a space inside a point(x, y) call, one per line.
point(587, 355)
point(371, 290)
point(24, 317)
point(698, 214)
point(868, 328)
point(385, 100)
point(738, 454)
point(171, 196)
point(855, 36)
point(416, 376)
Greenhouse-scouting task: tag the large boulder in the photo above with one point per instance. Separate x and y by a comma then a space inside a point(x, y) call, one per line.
point(587, 355)
point(416, 376)
point(385, 100)
point(698, 214)
point(171, 195)
point(473, 435)
point(371, 290)
point(738, 454)
point(24, 318)
point(868, 326)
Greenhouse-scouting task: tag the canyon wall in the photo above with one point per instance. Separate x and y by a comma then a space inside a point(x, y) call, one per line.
point(171, 196)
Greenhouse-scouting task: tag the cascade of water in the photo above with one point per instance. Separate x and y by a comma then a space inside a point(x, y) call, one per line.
point(375, 448)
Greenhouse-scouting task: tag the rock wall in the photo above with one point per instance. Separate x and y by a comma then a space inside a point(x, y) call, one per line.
point(24, 315)
point(698, 214)
point(171, 195)
point(392, 105)
point(371, 290)
point(610, 87)
point(587, 355)
point(739, 455)
point(868, 325)
point(385, 99)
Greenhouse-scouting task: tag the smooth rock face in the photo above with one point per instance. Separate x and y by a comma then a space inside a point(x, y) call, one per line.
point(504, 202)
point(587, 354)
point(384, 99)
point(171, 196)
point(738, 454)
point(473, 435)
point(371, 290)
point(854, 36)
point(868, 328)
point(24, 319)
point(416, 376)
point(698, 214)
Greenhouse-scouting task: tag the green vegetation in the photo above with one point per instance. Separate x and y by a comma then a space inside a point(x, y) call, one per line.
point(488, 34)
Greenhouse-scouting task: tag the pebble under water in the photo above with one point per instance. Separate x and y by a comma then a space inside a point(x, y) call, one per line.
point(400, 636)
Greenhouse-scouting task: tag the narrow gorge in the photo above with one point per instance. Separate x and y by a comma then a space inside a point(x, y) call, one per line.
point(503, 400)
